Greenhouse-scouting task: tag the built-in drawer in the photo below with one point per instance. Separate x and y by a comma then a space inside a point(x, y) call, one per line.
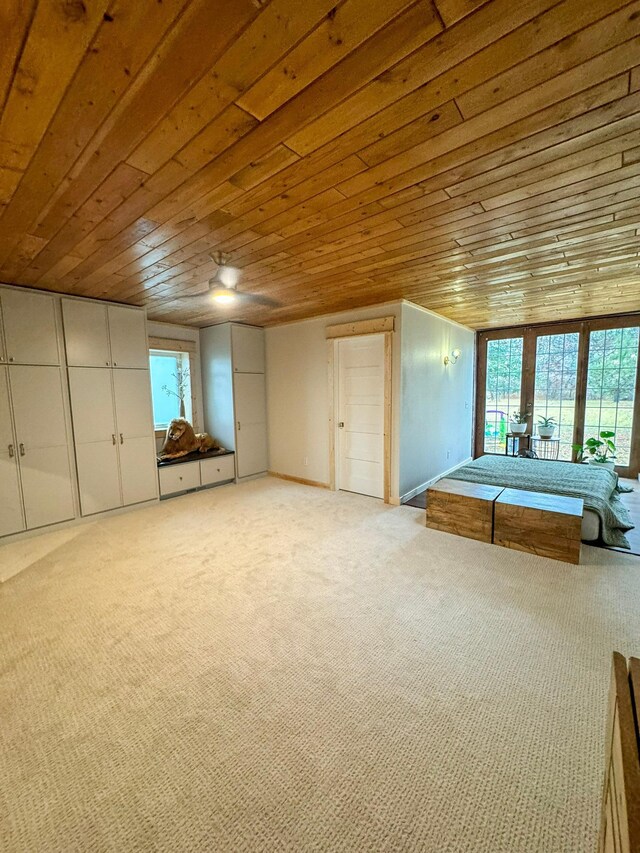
point(179, 477)
point(217, 469)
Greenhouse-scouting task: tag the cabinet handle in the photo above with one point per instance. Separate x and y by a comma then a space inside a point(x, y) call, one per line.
point(22, 450)
point(11, 450)
point(10, 358)
point(113, 437)
point(115, 363)
point(107, 363)
point(121, 439)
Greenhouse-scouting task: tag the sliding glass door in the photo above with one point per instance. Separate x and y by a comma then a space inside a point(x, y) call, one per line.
point(584, 375)
point(503, 388)
point(554, 389)
point(611, 387)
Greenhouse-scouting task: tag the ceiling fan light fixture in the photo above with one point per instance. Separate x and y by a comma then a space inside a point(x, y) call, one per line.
point(228, 276)
point(224, 295)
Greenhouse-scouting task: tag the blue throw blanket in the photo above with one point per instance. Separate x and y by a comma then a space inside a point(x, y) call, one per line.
point(598, 488)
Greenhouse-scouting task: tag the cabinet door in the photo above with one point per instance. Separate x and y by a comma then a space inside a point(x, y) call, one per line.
point(11, 516)
point(98, 476)
point(132, 394)
point(30, 333)
point(86, 333)
point(247, 348)
point(95, 438)
point(251, 423)
point(127, 330)
point(92, 405)
point(138, 470)
point(39, 416)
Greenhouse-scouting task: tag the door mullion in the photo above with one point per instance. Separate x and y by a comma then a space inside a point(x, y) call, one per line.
point(581, 387)
point(528, 374)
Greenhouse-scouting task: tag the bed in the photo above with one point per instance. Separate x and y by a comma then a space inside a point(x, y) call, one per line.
point(604, 514)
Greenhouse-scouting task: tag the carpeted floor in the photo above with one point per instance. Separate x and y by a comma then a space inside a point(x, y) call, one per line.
point(272, 667)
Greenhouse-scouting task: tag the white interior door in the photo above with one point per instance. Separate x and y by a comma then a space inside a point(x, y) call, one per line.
point(360, 433)
point(251, 423)
point(95, 431)
point(136, 441)
point(11, 516)
point(86, 333)
point(39, 415)
point(128, 334)
point(30, 328)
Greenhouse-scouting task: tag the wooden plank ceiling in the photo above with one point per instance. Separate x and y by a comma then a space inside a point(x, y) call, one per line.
point(479, 158)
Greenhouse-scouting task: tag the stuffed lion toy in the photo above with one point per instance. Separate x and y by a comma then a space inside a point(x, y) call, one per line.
point(181, 440)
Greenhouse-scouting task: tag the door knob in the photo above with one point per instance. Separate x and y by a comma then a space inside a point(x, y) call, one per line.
point(341, 425)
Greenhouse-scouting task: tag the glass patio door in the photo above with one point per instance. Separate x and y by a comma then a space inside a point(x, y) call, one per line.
point(554, 392)
point(584, 374)
point(502, 389)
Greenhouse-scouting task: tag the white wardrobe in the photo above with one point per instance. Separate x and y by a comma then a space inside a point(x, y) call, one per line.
point(35, 464)
point(108, 358)
point(235, 410)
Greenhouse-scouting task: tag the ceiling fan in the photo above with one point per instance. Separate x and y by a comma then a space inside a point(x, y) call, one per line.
point(223, 287)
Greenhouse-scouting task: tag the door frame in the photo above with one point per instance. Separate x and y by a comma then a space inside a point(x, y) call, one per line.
point(530, 334)
point(383, 326)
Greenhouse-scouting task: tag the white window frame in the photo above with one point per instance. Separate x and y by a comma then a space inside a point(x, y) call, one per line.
point(176, 346)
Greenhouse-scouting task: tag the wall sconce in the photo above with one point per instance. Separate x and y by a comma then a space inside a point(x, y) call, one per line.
point(451, 359)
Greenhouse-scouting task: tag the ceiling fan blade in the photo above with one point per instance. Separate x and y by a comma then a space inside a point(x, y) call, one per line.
point(261, 300)
point(195, 295)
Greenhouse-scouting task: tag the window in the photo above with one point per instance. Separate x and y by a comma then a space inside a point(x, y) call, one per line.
point(170, 386)
point(611, 382)
point(503, 382)
point(585, 374)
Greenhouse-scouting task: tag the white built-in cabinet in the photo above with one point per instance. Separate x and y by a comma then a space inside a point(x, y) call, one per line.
point(108, 359)
point(233, 372)
point(109, 424)
point(35, 466)
point(101, 335)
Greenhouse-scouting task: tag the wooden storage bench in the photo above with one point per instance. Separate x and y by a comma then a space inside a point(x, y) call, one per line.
point(466, 509)
point(548, 525)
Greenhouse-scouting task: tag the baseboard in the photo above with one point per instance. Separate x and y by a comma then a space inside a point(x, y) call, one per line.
point(421, 488)
point(300, 480)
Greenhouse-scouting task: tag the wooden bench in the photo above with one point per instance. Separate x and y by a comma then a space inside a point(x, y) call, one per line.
point(620, 818)
point(548, 525)
point(466, 509)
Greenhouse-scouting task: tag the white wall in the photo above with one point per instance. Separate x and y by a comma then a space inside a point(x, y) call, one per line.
point(436, 400)
point(298, 399)
point(184, 333)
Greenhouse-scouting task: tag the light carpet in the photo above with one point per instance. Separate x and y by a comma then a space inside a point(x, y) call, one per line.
point(272, 667)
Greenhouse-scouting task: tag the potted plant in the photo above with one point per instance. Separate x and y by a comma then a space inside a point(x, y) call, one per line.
point(518, 423)
point(546, 427)
point(598, 451)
